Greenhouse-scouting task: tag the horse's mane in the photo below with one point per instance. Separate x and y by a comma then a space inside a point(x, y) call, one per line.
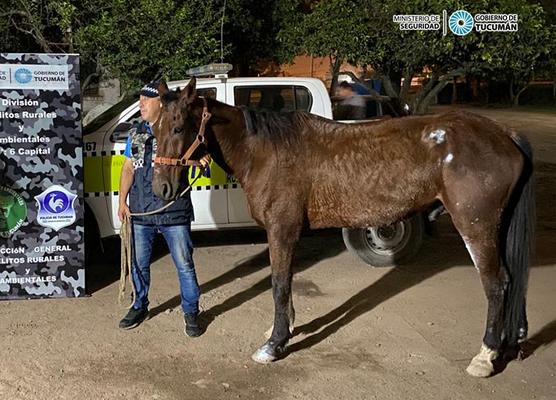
point(276, 126)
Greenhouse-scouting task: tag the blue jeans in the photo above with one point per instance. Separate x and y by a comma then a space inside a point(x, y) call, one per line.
point(179, 242)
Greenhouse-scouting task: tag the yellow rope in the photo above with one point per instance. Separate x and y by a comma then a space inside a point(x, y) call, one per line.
point(125, 261)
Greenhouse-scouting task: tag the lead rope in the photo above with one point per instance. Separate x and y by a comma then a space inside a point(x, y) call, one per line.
point(127, 249)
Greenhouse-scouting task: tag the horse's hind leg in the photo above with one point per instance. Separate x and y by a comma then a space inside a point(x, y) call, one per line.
point(282, 239)
point(495, 282)
point(481, 239)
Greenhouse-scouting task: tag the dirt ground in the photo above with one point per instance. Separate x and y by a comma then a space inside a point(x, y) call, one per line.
point(361, 333)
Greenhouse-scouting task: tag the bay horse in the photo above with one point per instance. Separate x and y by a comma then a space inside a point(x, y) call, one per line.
point(294, 168)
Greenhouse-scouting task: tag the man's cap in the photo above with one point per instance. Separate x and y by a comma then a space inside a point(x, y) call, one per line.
point(150, 89)
point(345, 85)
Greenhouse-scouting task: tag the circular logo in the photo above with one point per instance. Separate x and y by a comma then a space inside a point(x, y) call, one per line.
point(13, 211)
point(23, 75)
point(56, 202)
point(461, 22)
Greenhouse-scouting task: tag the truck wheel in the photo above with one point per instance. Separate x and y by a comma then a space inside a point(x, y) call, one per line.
point(388, 245)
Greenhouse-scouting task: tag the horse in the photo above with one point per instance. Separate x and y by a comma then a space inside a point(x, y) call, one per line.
point(293, 168)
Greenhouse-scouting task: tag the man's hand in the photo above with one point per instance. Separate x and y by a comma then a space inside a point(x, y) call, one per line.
point(205, 161)
point(123, 211)
point(126, 180)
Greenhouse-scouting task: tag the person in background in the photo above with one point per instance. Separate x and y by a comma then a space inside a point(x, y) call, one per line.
point(351, 105)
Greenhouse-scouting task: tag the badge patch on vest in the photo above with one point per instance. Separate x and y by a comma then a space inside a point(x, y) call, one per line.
point(138, 141)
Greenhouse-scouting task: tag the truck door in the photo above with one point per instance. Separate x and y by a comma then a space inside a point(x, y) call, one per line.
point(208, 193)
point(267, 97)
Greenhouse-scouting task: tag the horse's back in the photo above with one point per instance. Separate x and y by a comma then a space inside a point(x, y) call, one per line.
point(375, 174)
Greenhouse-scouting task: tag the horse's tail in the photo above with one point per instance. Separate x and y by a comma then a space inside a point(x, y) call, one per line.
point(518, 242)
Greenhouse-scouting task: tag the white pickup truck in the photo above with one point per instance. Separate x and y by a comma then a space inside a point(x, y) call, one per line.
point(218, 200)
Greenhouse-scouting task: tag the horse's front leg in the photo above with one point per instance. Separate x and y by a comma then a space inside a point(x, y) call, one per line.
point(291, 317)
point(281, 242)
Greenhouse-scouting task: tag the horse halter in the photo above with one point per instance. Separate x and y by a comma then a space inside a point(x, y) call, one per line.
point(199, 139)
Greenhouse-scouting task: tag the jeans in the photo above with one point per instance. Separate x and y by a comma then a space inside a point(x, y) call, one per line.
point(179, 242)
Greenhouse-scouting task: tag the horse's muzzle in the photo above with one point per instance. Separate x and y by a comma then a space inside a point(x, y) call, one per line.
point(164, 189)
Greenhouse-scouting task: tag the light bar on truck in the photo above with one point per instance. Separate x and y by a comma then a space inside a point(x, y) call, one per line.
point(219, 70)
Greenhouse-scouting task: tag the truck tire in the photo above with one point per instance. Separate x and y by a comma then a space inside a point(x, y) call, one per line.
point(389, 245)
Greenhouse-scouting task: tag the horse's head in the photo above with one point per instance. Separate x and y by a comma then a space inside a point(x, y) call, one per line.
point(175, 130)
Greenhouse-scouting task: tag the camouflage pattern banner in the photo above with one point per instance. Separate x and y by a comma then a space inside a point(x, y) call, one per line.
point(41, 177)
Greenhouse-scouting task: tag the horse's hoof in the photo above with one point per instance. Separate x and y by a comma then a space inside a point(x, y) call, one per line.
point(481, 365)
point(480, 368)
point(265, 355)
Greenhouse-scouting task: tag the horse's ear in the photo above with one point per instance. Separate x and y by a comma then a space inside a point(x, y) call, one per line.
point(189, 92)
point(162, 87)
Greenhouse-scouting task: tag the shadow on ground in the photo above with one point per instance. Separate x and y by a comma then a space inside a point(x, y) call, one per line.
point(313, 247)
point(440, 252)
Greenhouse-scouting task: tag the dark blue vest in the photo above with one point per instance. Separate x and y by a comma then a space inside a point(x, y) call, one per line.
point(141, 195)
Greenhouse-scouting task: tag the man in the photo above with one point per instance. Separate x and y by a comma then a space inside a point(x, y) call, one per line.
point(352, 106)
point(174, 223)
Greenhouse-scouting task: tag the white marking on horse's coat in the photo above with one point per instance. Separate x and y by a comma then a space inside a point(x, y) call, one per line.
point(449, 158)
point(438, 135)
point(474, 257)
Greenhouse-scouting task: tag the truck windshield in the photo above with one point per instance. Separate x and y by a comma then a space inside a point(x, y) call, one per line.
point(107, 115)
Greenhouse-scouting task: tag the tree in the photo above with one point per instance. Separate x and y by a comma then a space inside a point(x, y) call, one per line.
point(363, 33)
point(42, 26)
point(508, 55)
point(515, 57)
point(332, 29)
point(150, 39)
point(397, 56)
point(25, 23)
point(250, 32)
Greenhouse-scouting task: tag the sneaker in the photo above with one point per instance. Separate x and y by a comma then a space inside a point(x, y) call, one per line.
point(192, 327)
point(133, 318)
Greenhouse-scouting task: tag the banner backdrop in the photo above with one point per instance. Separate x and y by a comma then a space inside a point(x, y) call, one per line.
point(41, 177)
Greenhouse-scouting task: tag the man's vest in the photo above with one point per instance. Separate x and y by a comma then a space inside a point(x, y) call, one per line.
point(141, 196)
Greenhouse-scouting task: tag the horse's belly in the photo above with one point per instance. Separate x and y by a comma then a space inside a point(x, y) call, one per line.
point(360, 207)
point(353, 216)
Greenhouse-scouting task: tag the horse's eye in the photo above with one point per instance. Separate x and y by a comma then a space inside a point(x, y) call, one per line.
point(177, 131)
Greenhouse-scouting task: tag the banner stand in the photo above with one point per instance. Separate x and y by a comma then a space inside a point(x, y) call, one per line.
point(41, 177)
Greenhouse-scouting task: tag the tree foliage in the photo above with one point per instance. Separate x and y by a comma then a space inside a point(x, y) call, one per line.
point(364, 33)
point(134, 41)
point(140, 40)
point(150, 39)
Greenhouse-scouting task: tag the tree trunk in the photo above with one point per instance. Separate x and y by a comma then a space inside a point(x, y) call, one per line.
point(454, 90)
point(515, 101)
point(511, 91)
point(396, 79)
point(388, 86)
point(335, 64)
point(407, 78)
point(423, 106)
point(422, 93)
